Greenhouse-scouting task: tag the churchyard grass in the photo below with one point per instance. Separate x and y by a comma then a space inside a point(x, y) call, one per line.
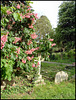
point(25, 90)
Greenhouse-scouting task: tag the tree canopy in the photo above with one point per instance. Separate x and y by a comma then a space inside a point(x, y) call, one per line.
point(43, 27)
point(65, 31)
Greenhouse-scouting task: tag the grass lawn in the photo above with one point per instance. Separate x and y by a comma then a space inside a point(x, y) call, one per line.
point(25, 90)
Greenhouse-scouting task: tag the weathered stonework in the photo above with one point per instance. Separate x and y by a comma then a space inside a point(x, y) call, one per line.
point(61, 76)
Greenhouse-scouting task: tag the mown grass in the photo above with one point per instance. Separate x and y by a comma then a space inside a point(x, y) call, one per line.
point(49, 70)
point(64, 90)
point(25, 90)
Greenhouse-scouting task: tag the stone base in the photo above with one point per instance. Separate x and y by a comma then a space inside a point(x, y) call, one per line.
point(43, 83)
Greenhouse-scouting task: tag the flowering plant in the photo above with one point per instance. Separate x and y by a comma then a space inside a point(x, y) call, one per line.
point(44, 46)
point(18, 36)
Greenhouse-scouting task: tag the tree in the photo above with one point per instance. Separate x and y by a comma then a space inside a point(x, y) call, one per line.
point(65, 31)
point(43, 27)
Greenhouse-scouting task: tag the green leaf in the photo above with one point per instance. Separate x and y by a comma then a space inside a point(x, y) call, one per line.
point(6, 20)
point(12, 56)
point(3, 10)
point(13, 8)
point(15, 15)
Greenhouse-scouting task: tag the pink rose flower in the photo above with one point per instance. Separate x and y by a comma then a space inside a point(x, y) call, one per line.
point(33, 49)
point(9, 27)
point(4, 38)
point(29, 42)
point(38, 63)
point(16, 55)
point(34, 36)
point(33, 19)
point(18, 50)
point(31, 13)
point(36, 66)
point(33, 65)
point(28, 52)
point(2, 45)
point(17, 39)
point(13, 22)
point(32, 57)
point(51, 39)
point(27, 16)
point(36, 16)
point(8, 12)
point(18, 6)
point(28, 9)
point(31, 26)
point(37, 48)
point(29, 58)
point(23, 16)
point(53, 44)
point(24, 61)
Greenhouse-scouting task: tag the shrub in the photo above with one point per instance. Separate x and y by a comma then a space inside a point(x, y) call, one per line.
point(18, 47)
point(18, 44)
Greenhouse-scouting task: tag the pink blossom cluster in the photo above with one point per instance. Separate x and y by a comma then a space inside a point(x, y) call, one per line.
point(18, 51)
point(24, 61)
point(8, 12)
point(29, 42)
point(33, 19)
point(51, 39)
point(53, 44)
point(34, 36)
point(17, 39)
point(33, 65)
point(36, 16)
point(9, 27)
point(30, 26)
point(18, 6)
point(3, 40)
point(28, 52)
point(30, 58)
point(28, 9)
point(26, 15)
point(13, 22)
point(31, 50)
